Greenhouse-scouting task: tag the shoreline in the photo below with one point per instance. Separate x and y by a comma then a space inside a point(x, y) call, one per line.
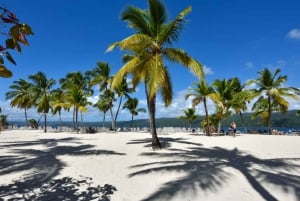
point(95, 130)
point(121, 166)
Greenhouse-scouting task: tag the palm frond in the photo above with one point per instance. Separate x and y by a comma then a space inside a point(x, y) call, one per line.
point(180, 56)
point(166, 88)
point(172, 30)
point(137, 19)
point(157, 77)
point(129, 67)
point(157, 12)
point(135, 43)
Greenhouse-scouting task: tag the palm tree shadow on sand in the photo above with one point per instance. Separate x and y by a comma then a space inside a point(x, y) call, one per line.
point(39, 166)
point(205, 170)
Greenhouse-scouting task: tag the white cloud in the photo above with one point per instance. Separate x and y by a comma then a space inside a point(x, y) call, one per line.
point(207, 70)
point(281, 63)
point(93, 99)
point(249, 64)
point(294, 34)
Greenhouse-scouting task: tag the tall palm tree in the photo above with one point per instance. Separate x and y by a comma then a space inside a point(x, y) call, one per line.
point(40, 89)
point(201, 93)
point(131, 104)
point(103, 106)
point(101, 76)
point(272, 94)
point(240, 101)
point(123, 91)
point(152, 44)
point(58, 103)
point(77, 90)
point(225, 91)
point(20, 96)
point(107, 99)
point(190, 116)
point(222, 107)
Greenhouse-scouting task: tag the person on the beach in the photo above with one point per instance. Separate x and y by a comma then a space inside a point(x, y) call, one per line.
point(233, 127)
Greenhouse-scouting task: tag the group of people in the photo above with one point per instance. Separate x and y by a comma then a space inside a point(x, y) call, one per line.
point(211, 128)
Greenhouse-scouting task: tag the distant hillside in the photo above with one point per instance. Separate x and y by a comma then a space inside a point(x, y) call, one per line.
point(288, 120)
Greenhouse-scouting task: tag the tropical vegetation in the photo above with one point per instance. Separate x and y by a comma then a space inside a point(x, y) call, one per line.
point(272, 95)
point(190, 116)
point(151, 44)
point(146, 55)
point(201, 93)
point(15, 33)
point(132, 106)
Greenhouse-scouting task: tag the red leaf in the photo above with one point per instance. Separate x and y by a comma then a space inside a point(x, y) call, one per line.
point(6, 20)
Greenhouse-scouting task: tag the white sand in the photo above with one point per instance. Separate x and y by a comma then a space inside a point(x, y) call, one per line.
point(68, 166)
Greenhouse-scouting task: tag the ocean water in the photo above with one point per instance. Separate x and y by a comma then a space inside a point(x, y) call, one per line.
point(262, 130)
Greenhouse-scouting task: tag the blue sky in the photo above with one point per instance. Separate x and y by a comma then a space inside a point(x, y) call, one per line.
point(230, 38)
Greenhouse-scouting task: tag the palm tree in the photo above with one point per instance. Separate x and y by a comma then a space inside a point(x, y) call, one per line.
point(201, 93)
point(131, 104)
point(3, 122)
point(225, 91)
point(33, 123)
point(101, 76)
point(40, 89)
point(121, 91)
point(107, 99)
point(58, 103)
point(103, 106)
point(272, 95)
point(240, 101)
point(20, 96)
point(190, 116)
point(151, 44)
point(77, 90)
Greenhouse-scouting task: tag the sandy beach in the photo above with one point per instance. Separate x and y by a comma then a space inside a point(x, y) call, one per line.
point(121, 166)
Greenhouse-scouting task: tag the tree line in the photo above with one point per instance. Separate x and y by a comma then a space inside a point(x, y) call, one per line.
point(72, 95)
point(144, 54)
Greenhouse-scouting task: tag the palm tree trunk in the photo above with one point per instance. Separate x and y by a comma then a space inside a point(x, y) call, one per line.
point(113, 123)
point(148, 104)
point(103, 122)
point(74, 126)
point(270, 116)
point(219, 126)
point(132, 121)
point(45, 123)
point(119, 106)
point(81, 116)
point(26, 119)
point(207, 118)
point(60, 121)
point(155, 141)
point(76, 119)
point(243, 121)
